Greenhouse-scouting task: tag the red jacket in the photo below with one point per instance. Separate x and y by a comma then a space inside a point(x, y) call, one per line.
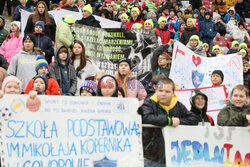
point(53, 87)
point(164, 34)
point(132, 22)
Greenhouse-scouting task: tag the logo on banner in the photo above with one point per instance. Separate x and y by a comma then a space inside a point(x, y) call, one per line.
point(197, 78)
point(105, 162)
point(121, 107)
point(17, 105)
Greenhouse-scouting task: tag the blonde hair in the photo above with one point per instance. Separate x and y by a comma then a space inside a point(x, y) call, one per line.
point(120, 78)
point(241, 88)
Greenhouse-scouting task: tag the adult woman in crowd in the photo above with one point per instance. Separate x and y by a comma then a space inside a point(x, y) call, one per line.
point(41, 14)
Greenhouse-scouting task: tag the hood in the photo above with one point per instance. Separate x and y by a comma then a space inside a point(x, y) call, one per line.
point(166, 108)
point(193, 108)
point(231, 8)
point(2, 17)
point(57, 58)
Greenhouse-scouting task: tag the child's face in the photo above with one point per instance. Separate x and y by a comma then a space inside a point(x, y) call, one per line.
point(13, 28)
point(39, 85)
point(77, 49)
point(23, 1)
point(123, 19)
point(239, 98)
point(28, 45)
point(205, 47)
point(134, 14)
point(163, 24)
point(85, 93)
point(43, 70)
point(193, 42)
point(12, 88)
point(171, 13)
point(216, 51)
point(151, 15)
point(123, 68)
point(199, 102)
point(189, 8)
point(241, 27)
point(41, 8)
point(189, 23)
point(164, 93)
point(148, 26)
point(162, 60)
point(216, 79)
point(207, 16)
point(62, 56)
point(245, 67)
point(236, 46)
point(183, 26)
point(107, 89)
point(202, 11)
point(196, 15)
point(38, 29)
point(1, 22)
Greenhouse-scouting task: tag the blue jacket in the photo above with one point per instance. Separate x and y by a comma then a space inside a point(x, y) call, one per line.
point(17, 14)
point(208, 29)
point(227, 17)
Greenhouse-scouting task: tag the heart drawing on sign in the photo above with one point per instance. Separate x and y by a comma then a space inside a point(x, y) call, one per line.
point(196, 60)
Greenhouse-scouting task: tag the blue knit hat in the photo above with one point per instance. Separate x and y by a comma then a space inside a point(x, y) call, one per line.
point(40, 23)
point(44, 78)
point(41, 62)
point(90, 86)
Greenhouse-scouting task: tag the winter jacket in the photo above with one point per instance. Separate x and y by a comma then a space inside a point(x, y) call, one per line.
point(187, 33)
point(89, 70)
point(230, 3)
point(3, 32)
point(227, 16)
point(246, 77)
point(178, 34)
point(239, 35)
point(11, 46)
point(174, 26)
point(231, 51)
point(196, 4)
point(242, 9)
point(164, 34)
point(208, 29)
point(17, 14)
point(53, 87)
point(22, 66)
point(233, 116)
point(222, 6)
point(70, 8)
point(56, 72)
point(198, 50)
point(3, 62)
point(154, 113)
point(89, 21)
point(45, 43)
point(135, 89)
point(231, 27)
point(154, 62)
point(201, 115)
point(64, 34)
point(187, 14)
point(221, 29)
point(132, 22)
point(49, 30)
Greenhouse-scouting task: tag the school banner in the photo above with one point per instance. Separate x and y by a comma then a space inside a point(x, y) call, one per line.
point(198, 146)
point(190, 71)
point(52, 131)
point(216, 96)
point(59, 14)
point(107, 46)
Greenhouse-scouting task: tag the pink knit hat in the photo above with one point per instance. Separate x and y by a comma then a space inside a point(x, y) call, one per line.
point(11, 79)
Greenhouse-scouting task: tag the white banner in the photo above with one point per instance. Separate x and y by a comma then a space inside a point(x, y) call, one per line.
point(59, 14)
point(216, 97)
point(197, 146)
point(70, 131)
point(189, 70)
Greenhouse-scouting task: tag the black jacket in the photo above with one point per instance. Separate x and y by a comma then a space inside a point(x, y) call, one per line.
point(70, 8)
point(187, 33)
point(89, 21)
point(45, 44)
point(231, 51)
point(154, 62)
point(49, 30)
point(242, 9)
point(196, 4)
point(3, 62)
point(221, 29)
point(246, 77)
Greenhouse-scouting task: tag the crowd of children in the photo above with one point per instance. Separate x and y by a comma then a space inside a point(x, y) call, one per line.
point(28, 59)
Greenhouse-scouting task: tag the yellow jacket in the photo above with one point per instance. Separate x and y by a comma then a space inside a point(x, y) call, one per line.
point(222, 7)
point(230, 3)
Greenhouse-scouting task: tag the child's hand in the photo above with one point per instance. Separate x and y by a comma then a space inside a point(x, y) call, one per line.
point(1, 94)
point(20, 10)
point(176, 121)
point(226, 100)
point(32, 94)
point(248, 118)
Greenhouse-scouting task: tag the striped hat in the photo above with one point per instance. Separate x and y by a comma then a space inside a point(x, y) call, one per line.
point(41, 62)
point(90, 86)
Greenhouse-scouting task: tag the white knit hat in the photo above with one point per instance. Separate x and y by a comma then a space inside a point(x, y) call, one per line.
point(18, 23)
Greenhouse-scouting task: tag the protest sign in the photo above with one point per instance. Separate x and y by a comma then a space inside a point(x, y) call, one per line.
point(107, 46)
point(216, 96)
point(70, 131)
point(198, 146)
point(190, 71)
point(60, 14)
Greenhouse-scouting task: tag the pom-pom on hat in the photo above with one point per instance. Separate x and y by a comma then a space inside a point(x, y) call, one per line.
point(41, 62)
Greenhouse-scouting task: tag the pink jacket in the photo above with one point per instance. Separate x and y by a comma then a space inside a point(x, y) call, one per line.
point(136, 89)
point(11, 46)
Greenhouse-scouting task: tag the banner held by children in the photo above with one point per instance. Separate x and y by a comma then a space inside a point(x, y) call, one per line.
point(107, 46)
point(190, 71)
point(198, 146)
point(66, 131)
point(216, 96)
